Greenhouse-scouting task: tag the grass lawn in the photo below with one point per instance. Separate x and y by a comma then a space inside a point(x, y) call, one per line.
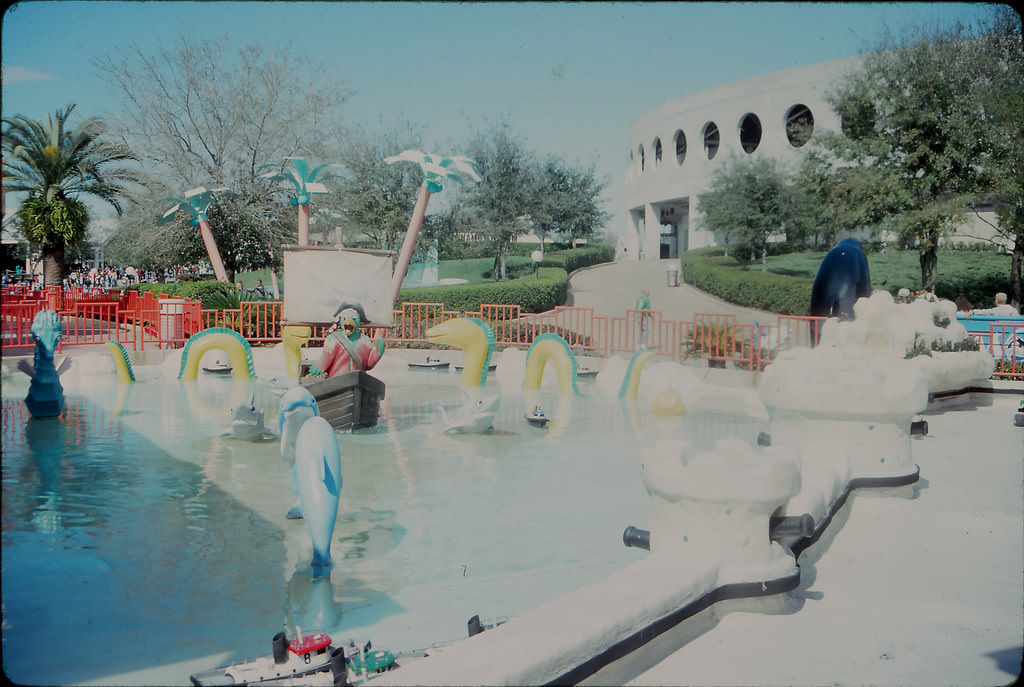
point(977, 275)
point(473, 270)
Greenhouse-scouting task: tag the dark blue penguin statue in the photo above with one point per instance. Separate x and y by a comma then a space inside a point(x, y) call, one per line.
point(842, 278)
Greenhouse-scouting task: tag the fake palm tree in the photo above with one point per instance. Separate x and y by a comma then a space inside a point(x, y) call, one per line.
point(436, 170)
point(305, 184)
point(197, 202)
point(54, 165)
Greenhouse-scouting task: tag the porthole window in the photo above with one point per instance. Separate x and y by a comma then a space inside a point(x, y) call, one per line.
point(680, 139)
point(657, 152)
point(640, 152)
point(711, 140)
point(799, 125)
point(750, 133)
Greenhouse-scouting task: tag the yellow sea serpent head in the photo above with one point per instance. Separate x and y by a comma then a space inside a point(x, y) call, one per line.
point(476, 338)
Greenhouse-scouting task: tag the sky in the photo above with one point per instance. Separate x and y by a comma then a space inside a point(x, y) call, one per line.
point(570, 78)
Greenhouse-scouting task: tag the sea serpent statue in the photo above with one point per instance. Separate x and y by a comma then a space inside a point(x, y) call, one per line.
point(45, 393)
point(555, 348)
point(476, 339)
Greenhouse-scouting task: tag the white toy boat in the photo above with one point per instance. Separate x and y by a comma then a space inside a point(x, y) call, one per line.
point(297, 658)
point(537, 418)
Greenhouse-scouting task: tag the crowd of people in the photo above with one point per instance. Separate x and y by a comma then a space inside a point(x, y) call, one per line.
point(107, 277)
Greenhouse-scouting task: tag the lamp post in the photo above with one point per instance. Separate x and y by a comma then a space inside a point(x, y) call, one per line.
point(537, 256)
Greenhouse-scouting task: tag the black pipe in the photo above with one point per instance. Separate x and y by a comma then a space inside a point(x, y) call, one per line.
point(919, 427)
point(634, 536)
point(280, 643)
point(339, 667)
point(790, 526)
point(473, 626)
point(764, 439)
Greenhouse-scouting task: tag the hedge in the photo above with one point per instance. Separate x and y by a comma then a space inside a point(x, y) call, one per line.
point(585, 256)
point(710, 270)
point(533, 293)
point(205, 291)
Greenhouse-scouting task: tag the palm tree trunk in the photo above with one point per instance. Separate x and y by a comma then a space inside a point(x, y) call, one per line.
point(53, 265)
point(405, 255)
point(212, 252)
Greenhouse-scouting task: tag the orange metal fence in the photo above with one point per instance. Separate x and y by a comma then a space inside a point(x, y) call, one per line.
point(142, 319)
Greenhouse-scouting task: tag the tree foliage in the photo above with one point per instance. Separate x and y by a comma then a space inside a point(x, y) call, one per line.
point(55, 164)
point(929, 124)
point(374, 199)
point(569, 201)
point(754, 198)
point(501, 204)
point(201, 114)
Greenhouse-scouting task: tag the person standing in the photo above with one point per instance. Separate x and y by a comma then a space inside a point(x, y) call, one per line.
point(643, 304)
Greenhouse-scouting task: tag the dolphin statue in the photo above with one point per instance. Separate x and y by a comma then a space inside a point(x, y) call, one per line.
point(473, 417)
point(297, 406)
point(843, 277)
point(318, 474)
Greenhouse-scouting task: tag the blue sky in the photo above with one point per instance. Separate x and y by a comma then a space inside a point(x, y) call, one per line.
point(569, 77)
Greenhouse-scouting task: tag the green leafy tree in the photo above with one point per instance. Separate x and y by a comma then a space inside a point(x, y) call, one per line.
point(568, 201)
point(55, 165)
point(375, 199)
point(916, 146)
point(202, 114)
point(751, 197)
point(505, 200)
point(1002, 53)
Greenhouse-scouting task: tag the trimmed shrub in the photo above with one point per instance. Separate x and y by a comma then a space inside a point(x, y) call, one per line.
point(710, 270)
point(577, 258)
point(534, 294)
point(212, 293)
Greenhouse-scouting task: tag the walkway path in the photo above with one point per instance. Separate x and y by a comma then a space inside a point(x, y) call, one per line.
point(612, 288)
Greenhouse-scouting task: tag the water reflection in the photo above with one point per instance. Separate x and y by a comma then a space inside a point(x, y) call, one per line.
point(172, 537)
point(45, 437)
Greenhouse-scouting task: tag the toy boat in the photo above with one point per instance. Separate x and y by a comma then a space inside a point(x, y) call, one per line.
point(585, 372)
point(430, 365)
point(349, 400)
point(373, 661)
point(490, 368)
point(217, 368)
point(298, 658)
point(537, 418)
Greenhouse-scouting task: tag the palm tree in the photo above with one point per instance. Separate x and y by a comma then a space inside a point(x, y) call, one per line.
point(197, 202)
point(435, 170)
point(305, 184)
point(54, 165)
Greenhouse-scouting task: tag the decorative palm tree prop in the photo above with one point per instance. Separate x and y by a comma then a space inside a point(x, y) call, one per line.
point(305, 184)
point(436, 169)
point(197, 201)
point(53, 165)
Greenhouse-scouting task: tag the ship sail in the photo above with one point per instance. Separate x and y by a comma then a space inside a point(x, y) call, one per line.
point(318, 279)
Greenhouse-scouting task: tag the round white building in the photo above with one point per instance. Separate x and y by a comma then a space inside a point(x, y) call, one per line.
point(675, 149)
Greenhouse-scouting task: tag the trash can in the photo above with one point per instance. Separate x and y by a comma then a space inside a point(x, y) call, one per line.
point(172, 322)
point(673, 276)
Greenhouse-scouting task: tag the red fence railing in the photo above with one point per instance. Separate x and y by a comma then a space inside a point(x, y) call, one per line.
point(142, 319)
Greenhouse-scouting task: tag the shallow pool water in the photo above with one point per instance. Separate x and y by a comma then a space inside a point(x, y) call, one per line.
point(136, 533)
